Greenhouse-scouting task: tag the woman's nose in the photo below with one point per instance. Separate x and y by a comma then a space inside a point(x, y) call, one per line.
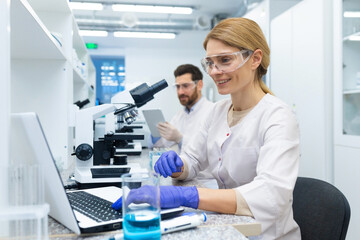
point(215, 70)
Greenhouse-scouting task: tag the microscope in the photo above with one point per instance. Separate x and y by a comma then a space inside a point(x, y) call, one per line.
point(98, 160)
point(126, 126)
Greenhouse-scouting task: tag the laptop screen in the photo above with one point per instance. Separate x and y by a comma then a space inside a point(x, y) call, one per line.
point(35, 149)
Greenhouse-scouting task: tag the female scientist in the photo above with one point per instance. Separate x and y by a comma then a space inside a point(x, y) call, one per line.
point(250, 142)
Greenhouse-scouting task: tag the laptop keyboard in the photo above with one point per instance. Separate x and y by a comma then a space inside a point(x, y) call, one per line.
point(92, 206)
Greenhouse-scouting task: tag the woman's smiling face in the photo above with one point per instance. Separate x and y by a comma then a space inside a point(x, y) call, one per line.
point(232, 82)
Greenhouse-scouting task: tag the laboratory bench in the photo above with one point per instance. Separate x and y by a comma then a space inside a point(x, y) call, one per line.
point(217, 226)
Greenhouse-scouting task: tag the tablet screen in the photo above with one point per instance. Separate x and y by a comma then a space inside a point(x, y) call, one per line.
point(153, 117)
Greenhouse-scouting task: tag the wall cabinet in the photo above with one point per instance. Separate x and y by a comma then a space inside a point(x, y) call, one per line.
point(347, 105)
point(349, 80)
point(50, 68)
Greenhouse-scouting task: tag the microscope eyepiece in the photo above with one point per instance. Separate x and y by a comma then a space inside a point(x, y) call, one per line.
point(143, 93)
point(157, 87)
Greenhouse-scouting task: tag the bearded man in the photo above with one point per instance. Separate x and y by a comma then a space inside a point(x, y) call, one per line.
point(188, 85)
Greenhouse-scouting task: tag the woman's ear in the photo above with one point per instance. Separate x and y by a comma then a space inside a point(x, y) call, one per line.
point(256, 58)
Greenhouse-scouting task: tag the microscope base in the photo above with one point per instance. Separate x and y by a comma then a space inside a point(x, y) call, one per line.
point(101, 176)
point(96, 185)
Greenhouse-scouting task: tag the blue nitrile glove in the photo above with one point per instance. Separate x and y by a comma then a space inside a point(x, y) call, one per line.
point(176, 196)
point(144, 194)
point(168, 163)
point(170, 197)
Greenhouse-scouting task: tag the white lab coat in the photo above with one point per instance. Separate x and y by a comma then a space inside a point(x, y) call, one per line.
point(257, 157)
point(188, 123)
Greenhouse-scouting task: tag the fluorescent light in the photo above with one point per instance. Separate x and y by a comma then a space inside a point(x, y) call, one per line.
point(151, 9)
point(349, 14)
point(91, 33)
point(354, 38)
point(86, 6)
point(145, 35)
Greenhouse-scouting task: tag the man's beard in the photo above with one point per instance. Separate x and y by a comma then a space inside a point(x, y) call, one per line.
point(190, 100)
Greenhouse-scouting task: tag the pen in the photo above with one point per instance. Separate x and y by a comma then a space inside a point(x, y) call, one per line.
point(187, 220)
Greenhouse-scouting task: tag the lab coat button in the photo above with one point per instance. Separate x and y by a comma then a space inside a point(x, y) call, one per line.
point(219, 159)
point(227, 134)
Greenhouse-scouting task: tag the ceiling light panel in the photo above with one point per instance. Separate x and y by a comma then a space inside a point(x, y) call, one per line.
point(151, 9)
point(92, 33)
point(86, 6)
point(125, 34)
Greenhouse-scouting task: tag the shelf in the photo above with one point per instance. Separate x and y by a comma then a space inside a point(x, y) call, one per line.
point(81, 81)
point(43, 76)
point(78, 79)
point(351, 91)
point(91, 90)
point(24, 44)
point(347, 38)
point(78, 43)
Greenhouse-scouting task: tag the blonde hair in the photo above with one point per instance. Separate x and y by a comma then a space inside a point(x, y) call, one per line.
point(243, 33)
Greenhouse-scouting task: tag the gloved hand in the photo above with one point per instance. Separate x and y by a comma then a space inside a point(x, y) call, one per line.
point(168, 163)
point(176, 196)
point(169, 132)
point(144, 194)
point(170, 197)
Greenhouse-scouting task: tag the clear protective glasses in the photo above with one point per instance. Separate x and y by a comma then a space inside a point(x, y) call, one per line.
point(186, 86)
point(227, 62)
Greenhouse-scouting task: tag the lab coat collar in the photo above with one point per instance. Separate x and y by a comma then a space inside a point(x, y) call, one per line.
point(193, 107)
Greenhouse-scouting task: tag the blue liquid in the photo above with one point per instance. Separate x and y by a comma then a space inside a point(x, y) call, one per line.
point(142, 225)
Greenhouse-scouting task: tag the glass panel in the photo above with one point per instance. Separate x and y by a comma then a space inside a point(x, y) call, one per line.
point(351, 67)
point(351, 119)
point(110, 77)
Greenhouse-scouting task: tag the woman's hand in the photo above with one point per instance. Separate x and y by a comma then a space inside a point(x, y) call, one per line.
point(168, 163)
point(170, 197)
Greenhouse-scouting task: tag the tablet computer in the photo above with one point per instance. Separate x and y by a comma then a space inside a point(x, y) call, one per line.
point(153, 117)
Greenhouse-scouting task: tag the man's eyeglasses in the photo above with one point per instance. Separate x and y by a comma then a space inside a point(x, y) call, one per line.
point(186, 86)
point(227, 62)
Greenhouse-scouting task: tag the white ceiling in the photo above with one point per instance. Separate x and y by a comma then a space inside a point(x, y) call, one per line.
point(185, 26)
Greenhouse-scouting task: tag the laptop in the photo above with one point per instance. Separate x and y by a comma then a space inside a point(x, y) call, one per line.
point(66, 207)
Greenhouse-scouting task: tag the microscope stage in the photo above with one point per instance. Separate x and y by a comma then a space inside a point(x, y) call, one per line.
point(133, 149)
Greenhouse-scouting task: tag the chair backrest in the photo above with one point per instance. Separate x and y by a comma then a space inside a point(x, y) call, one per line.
point(320, 209)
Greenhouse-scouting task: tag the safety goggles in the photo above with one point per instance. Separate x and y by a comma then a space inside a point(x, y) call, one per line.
point(227, 62)
point(186, 86)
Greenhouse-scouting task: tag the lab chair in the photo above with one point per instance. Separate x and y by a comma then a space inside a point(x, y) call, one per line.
point(320, 209)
